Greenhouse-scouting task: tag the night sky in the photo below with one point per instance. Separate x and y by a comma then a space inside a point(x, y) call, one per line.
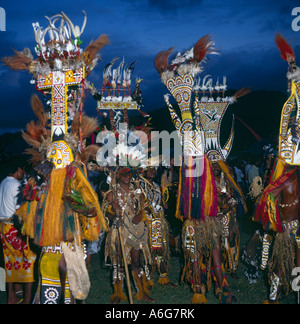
point(243, 32)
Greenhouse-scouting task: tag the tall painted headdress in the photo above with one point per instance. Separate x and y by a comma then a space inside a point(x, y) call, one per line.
point(197, 196)
point(289, 135)
point(202, 106)
point(58, 135)
point(179, 78)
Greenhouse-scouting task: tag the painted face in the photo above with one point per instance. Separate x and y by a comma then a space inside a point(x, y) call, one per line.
point(125, 177)
point(60, 154)
point(150, 173)
point(216, 169)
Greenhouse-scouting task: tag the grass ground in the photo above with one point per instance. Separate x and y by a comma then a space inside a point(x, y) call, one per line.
point(245, 293)
point(242, 290)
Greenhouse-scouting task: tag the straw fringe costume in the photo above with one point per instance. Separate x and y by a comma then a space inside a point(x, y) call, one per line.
point(60, 203)
point(134, 236)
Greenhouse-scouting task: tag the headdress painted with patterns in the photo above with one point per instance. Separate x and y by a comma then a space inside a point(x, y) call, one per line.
point(289, 135)
point(57, 136)
point(197, 196)
point(179, 77)
point(59, 72)
point(200, 120)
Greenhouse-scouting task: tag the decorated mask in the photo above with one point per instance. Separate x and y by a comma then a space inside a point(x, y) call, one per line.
point(60, 154)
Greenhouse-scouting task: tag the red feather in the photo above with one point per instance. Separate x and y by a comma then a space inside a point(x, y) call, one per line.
point(161, 60)
point(285, 49)
point(203, 47)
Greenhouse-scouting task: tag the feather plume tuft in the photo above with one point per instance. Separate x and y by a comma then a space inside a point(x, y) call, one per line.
point(89, 153)
point(285, 49)
point(31, 141)
point(92, 50)
point(161, 60)
point(203, 47)
point(87, 126)
point(17, 62)
point(242, 92)
point(39, 110)
point(35, 156)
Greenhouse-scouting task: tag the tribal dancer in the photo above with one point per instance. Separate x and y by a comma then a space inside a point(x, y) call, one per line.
point(169, 186)
point(123, 206)
point(18, 257)
point(278, 208)
point(62, 208)
point(227, 213)
point(157, 225)
point(197, 193)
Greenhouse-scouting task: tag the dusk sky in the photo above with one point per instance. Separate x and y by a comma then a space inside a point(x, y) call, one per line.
point(243, 32)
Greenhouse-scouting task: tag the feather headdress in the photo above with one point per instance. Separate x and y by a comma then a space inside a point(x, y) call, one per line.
point(285, 49)
point(17, 62)
point(203, 47)
point(90, 54)
point(60, 52)
point(37, 134)
point(161, 60)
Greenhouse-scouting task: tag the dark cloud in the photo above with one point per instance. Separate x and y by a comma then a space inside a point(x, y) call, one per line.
point(173, 5)
point(138, 29)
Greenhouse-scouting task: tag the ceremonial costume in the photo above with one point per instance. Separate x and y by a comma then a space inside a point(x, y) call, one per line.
point(19, 259)
point(128, 235)
point(211, 102)
point(227, 215)
point(158, 228)
point(278, 208)
point(122, 154)
point(197, 192)
point(61, 204)
point(135, 236)
point(169, 187)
